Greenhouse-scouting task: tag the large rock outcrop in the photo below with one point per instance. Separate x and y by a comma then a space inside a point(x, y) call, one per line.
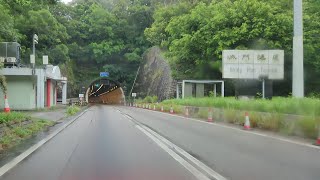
point(154, 78)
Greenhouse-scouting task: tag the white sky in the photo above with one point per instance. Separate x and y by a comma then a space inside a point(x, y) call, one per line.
point(66, 1)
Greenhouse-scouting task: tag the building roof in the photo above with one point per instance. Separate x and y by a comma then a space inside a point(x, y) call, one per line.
point(50, 72)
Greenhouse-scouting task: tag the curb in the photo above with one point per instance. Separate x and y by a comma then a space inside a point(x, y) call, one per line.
point(7, 167)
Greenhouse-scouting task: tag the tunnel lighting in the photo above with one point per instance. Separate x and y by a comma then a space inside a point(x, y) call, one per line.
point(110, 90)
point(99, 87)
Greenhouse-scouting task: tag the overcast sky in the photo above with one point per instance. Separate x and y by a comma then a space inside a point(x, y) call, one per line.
point(66, 1)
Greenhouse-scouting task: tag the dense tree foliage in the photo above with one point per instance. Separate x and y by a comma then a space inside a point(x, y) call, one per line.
point(194, 35)
point(89, 36)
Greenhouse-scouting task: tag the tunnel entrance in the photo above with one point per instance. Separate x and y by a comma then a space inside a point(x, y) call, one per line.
point(105, 91)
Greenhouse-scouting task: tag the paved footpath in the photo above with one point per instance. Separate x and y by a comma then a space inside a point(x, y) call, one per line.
point(54, 115)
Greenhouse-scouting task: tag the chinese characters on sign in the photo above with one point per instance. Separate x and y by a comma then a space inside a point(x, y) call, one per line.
point(253, 64)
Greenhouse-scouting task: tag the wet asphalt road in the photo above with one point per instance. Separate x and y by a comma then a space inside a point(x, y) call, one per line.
point(102, 144)
point(105, 144)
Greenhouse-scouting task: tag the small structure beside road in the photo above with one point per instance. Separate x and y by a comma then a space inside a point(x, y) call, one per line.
point(196, 88)
point(33, 88)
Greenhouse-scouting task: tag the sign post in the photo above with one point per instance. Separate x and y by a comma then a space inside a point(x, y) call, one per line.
point(134, 95)
point(263, 88)
point(81, 96)
point(253, 64)
point(297, 64)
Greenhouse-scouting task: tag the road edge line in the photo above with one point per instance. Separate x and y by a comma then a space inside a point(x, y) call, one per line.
point(8, 166)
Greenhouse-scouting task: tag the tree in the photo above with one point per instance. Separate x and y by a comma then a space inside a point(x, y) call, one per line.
point(7, 30)
point(45, 25)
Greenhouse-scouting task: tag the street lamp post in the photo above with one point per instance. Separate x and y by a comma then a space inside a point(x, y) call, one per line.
point(34, 42)
point(297, 66)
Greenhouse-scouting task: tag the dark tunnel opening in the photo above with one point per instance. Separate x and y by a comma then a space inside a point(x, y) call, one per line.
point(105, 91)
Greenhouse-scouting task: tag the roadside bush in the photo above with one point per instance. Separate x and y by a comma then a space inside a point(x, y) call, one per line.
point(72, 110)
point(13, 116)
point(13, 135)
point(309, 127)
point(154, 99)
point(22, 132)
point(267, 116)
point(288, 128)
point(147, 99)
point(305, 106)
point(203, 113)
point(230, 115)
point(270, 121)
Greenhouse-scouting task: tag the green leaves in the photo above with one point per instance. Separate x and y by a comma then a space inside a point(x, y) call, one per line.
point(7, 30)
point(103, 50)
point(45, 25)
point(59, 54)
point(91, 33)
point(198, 34)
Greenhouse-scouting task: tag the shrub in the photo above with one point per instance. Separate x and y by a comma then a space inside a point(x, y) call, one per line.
point(13, 135)
point(13, 116)
point(255, 119)
point(305, 106)
point(72, 110)
point(288, 128)
point(148, 99)
point(270, 121)
point(202, 113)
point(154, 99)
point(308, 126)
point(230, 115)
point(22, 132)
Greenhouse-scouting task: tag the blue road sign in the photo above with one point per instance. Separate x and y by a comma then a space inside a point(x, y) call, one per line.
point(104, 74)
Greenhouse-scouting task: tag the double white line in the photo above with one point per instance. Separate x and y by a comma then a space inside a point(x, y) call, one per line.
point(196, 167)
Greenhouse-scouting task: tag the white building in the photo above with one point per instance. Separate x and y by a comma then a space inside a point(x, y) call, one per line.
point(31, 89)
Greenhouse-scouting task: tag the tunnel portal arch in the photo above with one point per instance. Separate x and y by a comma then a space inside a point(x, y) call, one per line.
point(105, 91)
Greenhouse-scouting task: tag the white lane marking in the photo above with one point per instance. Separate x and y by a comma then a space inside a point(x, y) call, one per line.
point(128, 117)
point(7, 167)
point(183, 162)
point(201, 165)
point(170, 145)
point(237, 129)
point(125, 115)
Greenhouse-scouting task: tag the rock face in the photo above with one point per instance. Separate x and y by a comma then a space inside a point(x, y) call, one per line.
point(154, 78)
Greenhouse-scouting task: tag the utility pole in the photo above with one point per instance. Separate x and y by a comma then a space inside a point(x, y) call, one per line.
point(297, 65)
point(134, 82)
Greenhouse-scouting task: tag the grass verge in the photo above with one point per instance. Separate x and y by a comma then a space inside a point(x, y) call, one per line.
point(303, 126)
point(72, 110)
point(303, 106)
point(16, 127)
